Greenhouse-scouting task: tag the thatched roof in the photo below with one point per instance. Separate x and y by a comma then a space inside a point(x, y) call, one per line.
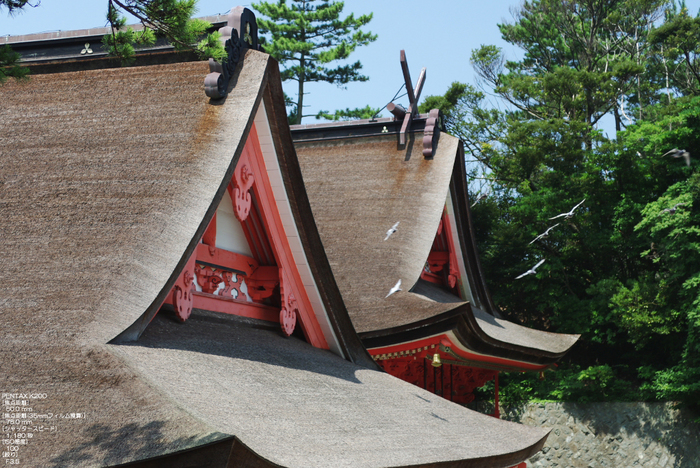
point(358, 188)
point(298, 406)
point(108, 179)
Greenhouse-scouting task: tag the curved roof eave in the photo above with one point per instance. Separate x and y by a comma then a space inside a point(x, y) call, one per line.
point(296, 406)
point(468, 325)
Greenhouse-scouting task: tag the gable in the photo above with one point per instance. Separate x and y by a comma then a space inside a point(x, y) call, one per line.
point(243, 264)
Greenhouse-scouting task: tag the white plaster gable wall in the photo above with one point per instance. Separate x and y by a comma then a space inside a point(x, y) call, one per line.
point(229, 232)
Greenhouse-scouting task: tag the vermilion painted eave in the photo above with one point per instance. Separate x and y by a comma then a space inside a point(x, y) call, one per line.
point(310, 324)
point(446, 341)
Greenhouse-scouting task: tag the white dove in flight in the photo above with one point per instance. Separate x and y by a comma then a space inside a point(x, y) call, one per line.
point(544, 234)
point(396, 288)
point(673, 209)
point(392, 230)
point(570, 213)
point(676, 153)
point(532, 270)
point(479, 198)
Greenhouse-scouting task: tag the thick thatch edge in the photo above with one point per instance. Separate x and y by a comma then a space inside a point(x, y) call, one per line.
point(242, 456)
point(237, 455)
point(465, 229)
point(134, 331)
point(508, 459)
point(463, 324)
point(338, 315)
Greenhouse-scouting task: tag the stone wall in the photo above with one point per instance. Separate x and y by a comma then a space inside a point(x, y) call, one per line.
point(615, 435)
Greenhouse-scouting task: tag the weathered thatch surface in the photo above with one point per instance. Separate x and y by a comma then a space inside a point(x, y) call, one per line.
point(358, 188)
point(298, 406)
point(499, 329)
point(106, 177)
point(509, 332)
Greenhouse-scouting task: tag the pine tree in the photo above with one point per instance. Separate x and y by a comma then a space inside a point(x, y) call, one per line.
point(170, 18)
point(305, 37)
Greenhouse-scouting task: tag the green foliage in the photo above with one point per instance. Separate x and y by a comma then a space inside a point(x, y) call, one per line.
point(568, 383)
point(305, 37)
point(9, 59)
point(366, 112)
point(14, 5)
point(677, 40)
point(623, 271)
point(122, 40)
point(171, 19)
point(677, 276)
point(9, 65)
point(595, 383)
point(211, 46)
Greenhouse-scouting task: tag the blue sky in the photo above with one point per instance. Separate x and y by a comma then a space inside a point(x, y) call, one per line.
point(438, 35)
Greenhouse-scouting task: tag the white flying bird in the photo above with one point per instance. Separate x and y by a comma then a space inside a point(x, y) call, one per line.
point(531, 271)
point(479, 198)
point(673, 209)
point(392, 230)
point(396, 288)
point(676, 153)
point(544, 234)
point(570, 213)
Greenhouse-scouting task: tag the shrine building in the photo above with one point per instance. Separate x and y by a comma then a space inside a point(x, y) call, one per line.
point(204, 286)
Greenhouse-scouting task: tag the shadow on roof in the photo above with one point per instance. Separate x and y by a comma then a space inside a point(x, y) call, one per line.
point(236, 337)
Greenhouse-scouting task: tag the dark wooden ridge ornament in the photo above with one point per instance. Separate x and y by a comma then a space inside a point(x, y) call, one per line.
point(413, 97)
point(240, 33)
point(432, 125)
point(430, 134)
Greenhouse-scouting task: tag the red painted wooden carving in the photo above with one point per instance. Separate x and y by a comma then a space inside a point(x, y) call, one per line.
point(182, 297)
point(232, 286)
point(288, 319)
point(243, 179)
point(208, 278)
point(262, 283)
point(255, 207)
point(290, 308)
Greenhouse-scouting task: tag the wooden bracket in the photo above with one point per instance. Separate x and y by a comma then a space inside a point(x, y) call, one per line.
point(442, 255)
point(182, 298)
point(290, 307)
point(262, 283)
point(413, 97)
point(431, 133)
point(232, 286)
point(209, 237)
point(243, 179)
point(208, 278)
